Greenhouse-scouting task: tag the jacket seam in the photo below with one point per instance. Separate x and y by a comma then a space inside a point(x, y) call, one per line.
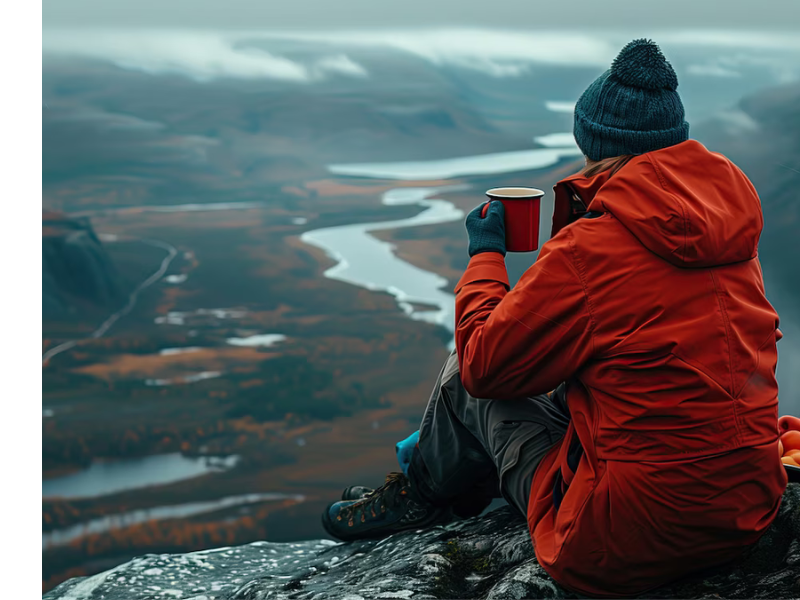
point(578, 514)
point(684, 218)
point(577, 264)
point(726, 322)
point(758, 363)
point(600, 413)
point(700, 368)
point(548, 319)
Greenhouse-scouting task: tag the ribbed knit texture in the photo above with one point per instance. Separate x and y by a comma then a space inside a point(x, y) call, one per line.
point(632, 108)
point(487, 234)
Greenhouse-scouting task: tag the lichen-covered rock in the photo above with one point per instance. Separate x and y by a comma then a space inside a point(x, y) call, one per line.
point(484, 557)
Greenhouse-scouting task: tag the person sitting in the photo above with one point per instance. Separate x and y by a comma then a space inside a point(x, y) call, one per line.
point(622, 396)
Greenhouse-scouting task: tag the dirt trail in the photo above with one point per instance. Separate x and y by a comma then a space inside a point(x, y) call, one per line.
point(172, 252)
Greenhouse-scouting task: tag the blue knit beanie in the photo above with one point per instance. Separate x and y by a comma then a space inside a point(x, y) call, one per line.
point(633, 107)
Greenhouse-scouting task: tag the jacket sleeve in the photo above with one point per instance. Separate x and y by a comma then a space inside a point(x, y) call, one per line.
point(526, 341)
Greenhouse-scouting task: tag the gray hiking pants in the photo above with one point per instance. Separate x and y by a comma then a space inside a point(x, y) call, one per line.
point(471, 450)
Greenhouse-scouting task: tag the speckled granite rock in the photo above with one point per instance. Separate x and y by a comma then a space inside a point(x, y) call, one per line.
point(485, 557)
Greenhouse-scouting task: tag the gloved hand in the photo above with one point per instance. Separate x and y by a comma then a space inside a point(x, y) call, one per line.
point(487, 234)
point(404, 450)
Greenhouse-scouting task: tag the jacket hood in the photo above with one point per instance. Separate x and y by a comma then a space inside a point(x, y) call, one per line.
point(690, 206)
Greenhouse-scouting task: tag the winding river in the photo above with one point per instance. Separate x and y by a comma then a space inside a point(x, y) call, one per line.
point(367, 262)
point(361, 260)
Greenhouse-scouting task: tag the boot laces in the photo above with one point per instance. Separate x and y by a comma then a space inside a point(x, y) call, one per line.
point(370, 501)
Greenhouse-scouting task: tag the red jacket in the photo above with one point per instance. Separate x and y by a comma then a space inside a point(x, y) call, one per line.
point(654, 314)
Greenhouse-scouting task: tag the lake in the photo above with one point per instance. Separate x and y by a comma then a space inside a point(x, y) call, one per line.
point(110, 477)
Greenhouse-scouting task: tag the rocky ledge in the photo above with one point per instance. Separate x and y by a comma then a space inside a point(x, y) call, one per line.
point(484, 557)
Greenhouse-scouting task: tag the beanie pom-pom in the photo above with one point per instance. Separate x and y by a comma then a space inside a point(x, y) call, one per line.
point(641, 64)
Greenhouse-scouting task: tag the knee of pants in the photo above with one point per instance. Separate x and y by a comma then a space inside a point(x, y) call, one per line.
point(509, 436)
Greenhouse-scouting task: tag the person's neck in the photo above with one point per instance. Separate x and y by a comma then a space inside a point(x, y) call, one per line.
point(614, 163)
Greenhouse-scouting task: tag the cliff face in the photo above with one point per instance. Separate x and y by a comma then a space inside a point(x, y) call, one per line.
point(762, 136)
point(484, 557)
point(77, 273)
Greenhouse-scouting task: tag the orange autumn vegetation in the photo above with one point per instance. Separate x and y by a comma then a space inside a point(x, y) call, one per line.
point(127, 366)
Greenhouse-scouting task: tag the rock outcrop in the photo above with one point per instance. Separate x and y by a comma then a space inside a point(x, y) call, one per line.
point(484, 557)
point(77, 273)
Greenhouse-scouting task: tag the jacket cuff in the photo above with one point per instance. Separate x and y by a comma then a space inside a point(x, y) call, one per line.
point(482, 267)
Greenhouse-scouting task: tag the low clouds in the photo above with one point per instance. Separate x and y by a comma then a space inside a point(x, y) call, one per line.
point(753, 40)
point(94, 117)
point(560, 106)
point(711, 70)
point(339, 64)
point(205, 55)
point(782, 64)
point(735, 121)
point(510, 53)
point(202, 56)
point(496, 52)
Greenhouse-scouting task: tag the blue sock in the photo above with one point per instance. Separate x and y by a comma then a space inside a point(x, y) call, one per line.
point(404, 450)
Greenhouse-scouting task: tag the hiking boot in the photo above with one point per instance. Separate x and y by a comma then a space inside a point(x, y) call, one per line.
point(389, 509)
point(356, 492)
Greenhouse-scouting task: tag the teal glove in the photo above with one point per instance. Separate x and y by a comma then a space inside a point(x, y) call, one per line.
point(487, 234)
point(405, 449)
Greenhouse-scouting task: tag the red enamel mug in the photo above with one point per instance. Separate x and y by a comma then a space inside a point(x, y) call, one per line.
point(521, 206)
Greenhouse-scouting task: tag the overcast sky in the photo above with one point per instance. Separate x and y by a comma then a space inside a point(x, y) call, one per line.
point(347, 14)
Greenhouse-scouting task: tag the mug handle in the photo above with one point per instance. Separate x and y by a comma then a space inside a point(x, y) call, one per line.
point(485, 208)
